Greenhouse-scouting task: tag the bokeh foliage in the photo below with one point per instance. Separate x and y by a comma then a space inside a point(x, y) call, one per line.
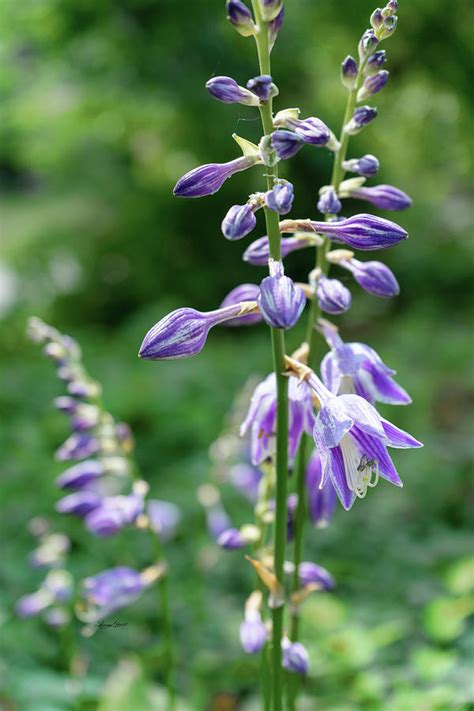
point(103, 107)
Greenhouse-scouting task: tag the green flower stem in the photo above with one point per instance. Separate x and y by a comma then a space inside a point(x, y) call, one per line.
point(278, 348)
point(167, 628)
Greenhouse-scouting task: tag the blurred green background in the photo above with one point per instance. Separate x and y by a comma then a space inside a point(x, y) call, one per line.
point(103, 108)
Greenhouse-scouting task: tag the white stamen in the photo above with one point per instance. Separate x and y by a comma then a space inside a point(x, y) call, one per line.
point(361, 472)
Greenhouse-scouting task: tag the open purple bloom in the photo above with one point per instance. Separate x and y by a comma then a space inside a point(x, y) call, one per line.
point(286, 143)
point(239, 221)
point(164, 518)
point(274, 27)
point(375, 277)
point(243, 292)
point(183, 332)
point(357, 368)
point(333, 297)
point(312, 574)
point(113, 589)
point(385, 197)
point(80, 475)
point(329, 203)
point(227, 90)
point(280, 198)
point(262, 86)
point(113, 514)
point(253, 633)
point(321, 499)
point(79, 504)
point(295, 657)
point(230, 539)
point(367, 166)
point(261, 418)
point(240, 17)
point(363, 231)
point(352, 441)
point(258, 253)
point(349, 71)
point(362, 117)
point(280, 301)
point(208, 179)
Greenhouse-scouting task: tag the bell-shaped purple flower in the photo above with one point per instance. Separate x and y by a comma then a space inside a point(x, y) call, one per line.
point(312, 574)
point(208, 179)
point(385, 197)
point(376, 61)
point(333, 297)
point(239, 221)
point(112, 590)
point(243, 292)
point(79, 504)
point(164, 518)
point(258, 253)
point(366, 232)
point(274, 27)
point(240, 17)
point(77, 446)
point(362, 117)
point(311, 130)
point(231, 539)
point(113, 514)
point(80, 475)
point(280, 301)
point(295, 657)
point(261, 418)
point(262, 87)
point(329, 203)
point(286, 143)
point(227, 90)
point(375, 277)
point(321, 496)
point(373, 84)
point(367, 166)
point(349, 71)
point(253, 633)
point(280, 198)
point(183, 332)
point(357, 368)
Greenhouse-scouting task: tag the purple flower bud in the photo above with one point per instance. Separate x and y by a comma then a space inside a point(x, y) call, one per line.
point(321, 500)
point(274, 27)
point(349, 71)
point(367, 166)
point(240, 16)
point(85, 418)
point(231, 539)
point(311, 130)
point(65, 404)
point(310, 573)
point(80, 474)
point(243, 292)
point(113, 589)
point(280, 198)
point(246, 479)
point(388, 28)
point(82, 388)
point(208, 179)
point(390, 8)
point(333, 297)
point(295, 657)
point(113, 514)
point(227, 90)
point(286, 144)
point(367, 44)
point(79, 504)
point(362, 117)
point(253, 633)
point(164, 518)
point(263, 87)
point(77, 446)
point(385, 197)
point(376, 18)
point(218, 521)
point(183, 332)
point(373, 84)
point(376, 61)
point(363, 231)
point(239, 221)
point(280, 301)
point(258, 253)
point(34, 604)
point(271, 9)
point(329, 203)
point(374, 277)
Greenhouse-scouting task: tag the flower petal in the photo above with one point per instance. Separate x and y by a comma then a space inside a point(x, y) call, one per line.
point(364, 414)
point(338, 478)
point(333, 422)
point(373, 448)
point(395, 437)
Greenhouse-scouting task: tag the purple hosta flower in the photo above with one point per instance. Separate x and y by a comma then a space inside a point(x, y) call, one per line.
point(243, 292)
point(240, 220)
point(280, 198)
point(333, 297)
point(376, 61)
point(253, 633)
point(286, 143)
point(291, 507)
point(112, 589)
point(227, 90)
point(263, 87)
point(240, 17)
point(258, 253)
point(77, 446)
point(385, 197)
point(246, 479)
point(51, 551)
point(352, 441)
point(329, 203)
point(361, 117)
point(80, 504)
point(208, 179)
point(113, 514)
point(183, 332)
point(374, 277)
point(372, 85)
point(367, 166)
point(231, 539)
point(261, 418)
point(295, 656)
point(349, 71)
point(312, 574)
point(366, 232)
point(280, 301)
point(368, 43)
point(274, 27)
point(357, 368)
point(321, 499)
point(311, 130)
point(164, 518)
point(270, 9)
